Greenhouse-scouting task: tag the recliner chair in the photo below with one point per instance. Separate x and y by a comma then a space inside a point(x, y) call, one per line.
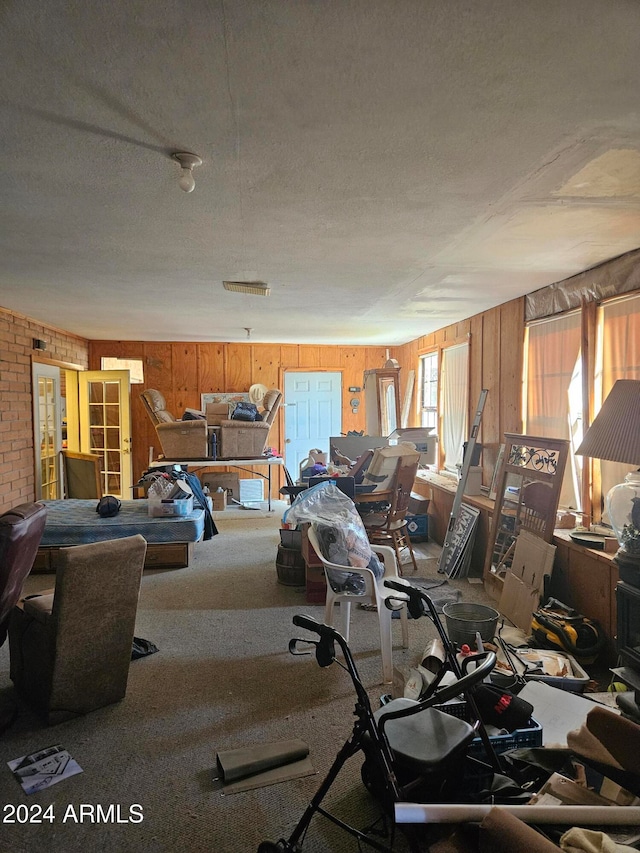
point(178, 439)
point(21, 530)
point(248, 439)
point(70, 648)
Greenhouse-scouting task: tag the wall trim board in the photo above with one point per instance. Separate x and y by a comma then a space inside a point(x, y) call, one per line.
point(54, 362)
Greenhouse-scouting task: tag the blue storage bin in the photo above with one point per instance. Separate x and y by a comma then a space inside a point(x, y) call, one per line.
point(418, 526)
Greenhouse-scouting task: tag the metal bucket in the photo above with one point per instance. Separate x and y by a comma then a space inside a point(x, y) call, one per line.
point(464, 621)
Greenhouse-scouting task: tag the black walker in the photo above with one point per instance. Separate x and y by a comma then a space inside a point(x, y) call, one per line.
point(411, 749)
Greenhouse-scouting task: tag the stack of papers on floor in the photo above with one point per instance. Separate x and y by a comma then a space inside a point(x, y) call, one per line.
point(41, 769)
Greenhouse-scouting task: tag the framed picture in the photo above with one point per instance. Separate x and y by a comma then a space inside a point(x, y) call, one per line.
point(222, 397)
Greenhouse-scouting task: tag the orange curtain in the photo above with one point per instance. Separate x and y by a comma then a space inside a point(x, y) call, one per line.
point(553, 379)
point(620, 359)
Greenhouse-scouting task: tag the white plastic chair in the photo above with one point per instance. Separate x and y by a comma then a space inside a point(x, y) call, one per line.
point(374, 593)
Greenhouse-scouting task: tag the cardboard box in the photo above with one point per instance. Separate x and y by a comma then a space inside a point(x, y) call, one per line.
point(308, 552)
point(418, 505)
point(524, 580)
point(382, 469)
point(229, 482)
point(316, 584)
point(426, 443)
point(219, 500)
point(474, 481)
point(218, 412)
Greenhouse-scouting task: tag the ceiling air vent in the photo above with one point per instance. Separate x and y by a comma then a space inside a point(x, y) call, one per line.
point(257, 288)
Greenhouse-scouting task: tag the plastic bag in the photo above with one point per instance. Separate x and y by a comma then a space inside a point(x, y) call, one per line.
point(340, 531)
point(160, 488)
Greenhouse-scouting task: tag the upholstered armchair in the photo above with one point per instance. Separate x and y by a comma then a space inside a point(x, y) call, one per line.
point(178, 439)
point(21, 530)
point(70, 648)
point(248, 439)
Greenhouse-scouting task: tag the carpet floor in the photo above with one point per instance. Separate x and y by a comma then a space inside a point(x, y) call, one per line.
point(222, 679)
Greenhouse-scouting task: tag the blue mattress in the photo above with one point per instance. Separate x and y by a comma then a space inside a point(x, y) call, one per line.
point(76, 522)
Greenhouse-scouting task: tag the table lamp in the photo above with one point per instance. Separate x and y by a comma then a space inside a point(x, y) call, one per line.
point(614, 435)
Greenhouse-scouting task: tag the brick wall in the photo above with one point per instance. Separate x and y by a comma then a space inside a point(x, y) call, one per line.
point(17, 463)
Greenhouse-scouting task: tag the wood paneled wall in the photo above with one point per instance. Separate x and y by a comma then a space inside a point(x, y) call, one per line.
point(496, 351)
point(184, 371)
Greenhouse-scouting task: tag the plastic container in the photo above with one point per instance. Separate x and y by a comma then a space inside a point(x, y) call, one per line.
point(464, 621)
point(529, 736)
point(168, 507)
point(574, 683)
point(417, 526)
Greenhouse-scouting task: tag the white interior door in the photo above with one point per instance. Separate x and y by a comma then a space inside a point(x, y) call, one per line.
point(47, 428)
point(312, 413)
point(105, 426)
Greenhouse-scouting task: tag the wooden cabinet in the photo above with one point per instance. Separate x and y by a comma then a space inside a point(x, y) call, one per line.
point(585, 579)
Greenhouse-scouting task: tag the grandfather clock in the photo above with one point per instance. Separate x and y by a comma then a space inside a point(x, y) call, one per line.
point(382, 400)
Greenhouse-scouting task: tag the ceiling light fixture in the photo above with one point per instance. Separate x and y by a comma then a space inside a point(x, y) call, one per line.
point(187, 163)
point(257, 288)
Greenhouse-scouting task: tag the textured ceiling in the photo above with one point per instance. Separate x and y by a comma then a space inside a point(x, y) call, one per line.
point(387, 167)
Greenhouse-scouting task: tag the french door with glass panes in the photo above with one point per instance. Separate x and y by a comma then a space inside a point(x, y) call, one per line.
point(105, 426)
point(47, 420)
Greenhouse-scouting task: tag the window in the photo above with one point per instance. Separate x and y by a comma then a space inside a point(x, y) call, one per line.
point(553, 398)
point(133, 365)
point(553, 395)
point(429, 390)
point(454, 404)
point(619, 358)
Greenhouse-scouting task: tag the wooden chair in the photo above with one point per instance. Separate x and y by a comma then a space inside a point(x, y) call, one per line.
point(536, 499)
point(82, 475)
point(389, 527)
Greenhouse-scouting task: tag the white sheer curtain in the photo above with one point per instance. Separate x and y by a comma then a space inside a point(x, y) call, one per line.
point(620, 359)
point(554, 391)
point(454, 379)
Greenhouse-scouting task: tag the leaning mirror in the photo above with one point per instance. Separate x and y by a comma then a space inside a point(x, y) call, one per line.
point(527, 494)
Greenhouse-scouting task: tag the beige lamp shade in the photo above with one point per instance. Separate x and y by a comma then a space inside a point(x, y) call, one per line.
point(615, 431)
